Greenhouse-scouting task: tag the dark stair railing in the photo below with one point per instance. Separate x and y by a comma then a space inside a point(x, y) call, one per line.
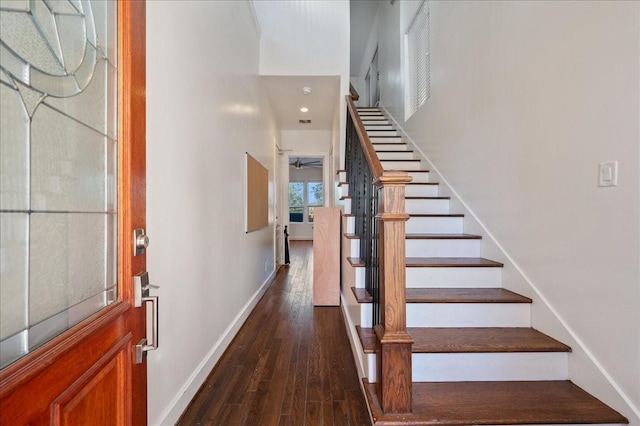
point(378, 203)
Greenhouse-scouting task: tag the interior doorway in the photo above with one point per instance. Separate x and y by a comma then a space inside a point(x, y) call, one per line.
point(373, 81)
point(306, 192)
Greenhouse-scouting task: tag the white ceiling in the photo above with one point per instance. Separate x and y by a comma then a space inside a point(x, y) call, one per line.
point(286, 91)
point(287, 99)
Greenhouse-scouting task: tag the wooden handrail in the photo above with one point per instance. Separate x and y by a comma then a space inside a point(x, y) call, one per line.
point(365, 142)
point(353, 92)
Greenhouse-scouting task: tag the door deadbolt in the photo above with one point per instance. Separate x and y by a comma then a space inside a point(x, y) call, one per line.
point(140, 242)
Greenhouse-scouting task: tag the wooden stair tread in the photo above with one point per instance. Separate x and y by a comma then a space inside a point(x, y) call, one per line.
point(443, 237)
point(429, 236)
point(451, 262)
point(471, 340)
point(483, 339)
point(437, 215)
point(451, 295)
point(388, 143)
point(494, 403)
point(440, 262)
point(427, 198)
point(355, 261)
point(464, 295)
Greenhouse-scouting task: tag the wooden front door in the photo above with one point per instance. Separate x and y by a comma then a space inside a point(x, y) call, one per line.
point(87, 375)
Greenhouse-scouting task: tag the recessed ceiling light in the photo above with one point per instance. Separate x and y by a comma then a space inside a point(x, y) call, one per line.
point(304, 109)
point(306, 90)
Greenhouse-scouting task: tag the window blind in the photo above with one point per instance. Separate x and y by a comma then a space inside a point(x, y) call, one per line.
point(418, 59)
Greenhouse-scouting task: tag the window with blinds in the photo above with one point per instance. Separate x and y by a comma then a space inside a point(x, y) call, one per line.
point(418, 63)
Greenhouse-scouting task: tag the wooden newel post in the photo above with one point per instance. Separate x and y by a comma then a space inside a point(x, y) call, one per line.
point(394, 343)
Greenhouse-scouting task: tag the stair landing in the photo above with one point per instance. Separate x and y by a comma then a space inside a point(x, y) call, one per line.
point(497, 403)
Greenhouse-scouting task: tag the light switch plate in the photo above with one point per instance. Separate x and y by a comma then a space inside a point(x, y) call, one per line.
point(608, 173)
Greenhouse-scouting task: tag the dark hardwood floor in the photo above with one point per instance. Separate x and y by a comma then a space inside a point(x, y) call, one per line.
point(290, 363)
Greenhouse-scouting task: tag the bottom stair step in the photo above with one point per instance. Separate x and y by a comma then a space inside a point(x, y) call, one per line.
point(471, 339)
point(497, 403)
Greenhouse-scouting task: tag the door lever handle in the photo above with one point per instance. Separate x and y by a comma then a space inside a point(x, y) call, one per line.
point(141, 296)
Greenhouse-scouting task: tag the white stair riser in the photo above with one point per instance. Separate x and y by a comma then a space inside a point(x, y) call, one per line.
point(463, 277)
point(385, 140)
point(342, 176)
point(354, 248)
point(442, 248)
point(386, 156)
point(374, 133)
point(371, 367)
point(350, 226)
point(344, 190)
point(468, 315)
point(397, 146)
point(427, 206)
point(376, 120)
point(401, 165)
point(360, 277)
point(461, 315)
point(366, 315)
point(372, 116)
point(471, 367)
point(417, 177)
point(421, 190)
point(378, 126)
point(347, 205)
point(474, 367)
point(434, 225)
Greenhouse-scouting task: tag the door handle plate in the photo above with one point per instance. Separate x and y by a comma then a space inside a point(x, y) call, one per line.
point(141, 296)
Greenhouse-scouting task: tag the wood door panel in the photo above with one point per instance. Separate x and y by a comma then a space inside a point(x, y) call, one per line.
point(53, 371)
point(89, 400)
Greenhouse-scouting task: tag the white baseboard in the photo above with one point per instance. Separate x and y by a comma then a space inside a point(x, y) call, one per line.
point(356, 348)
point(170, 415)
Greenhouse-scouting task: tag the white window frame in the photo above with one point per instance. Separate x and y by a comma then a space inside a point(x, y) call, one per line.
point(417, 60)
point(305, 200)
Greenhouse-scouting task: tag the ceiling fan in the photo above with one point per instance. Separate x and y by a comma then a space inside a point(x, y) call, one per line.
point(311, 163)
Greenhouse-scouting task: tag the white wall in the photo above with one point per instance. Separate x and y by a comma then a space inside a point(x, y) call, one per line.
point(308, 37)
point(205, 108)
point(526, 99)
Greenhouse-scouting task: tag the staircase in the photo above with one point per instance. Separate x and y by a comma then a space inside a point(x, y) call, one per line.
point(475, 358)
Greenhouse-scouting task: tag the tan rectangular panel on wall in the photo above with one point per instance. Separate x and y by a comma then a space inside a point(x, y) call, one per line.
point(326, 256)
point(257, 203)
